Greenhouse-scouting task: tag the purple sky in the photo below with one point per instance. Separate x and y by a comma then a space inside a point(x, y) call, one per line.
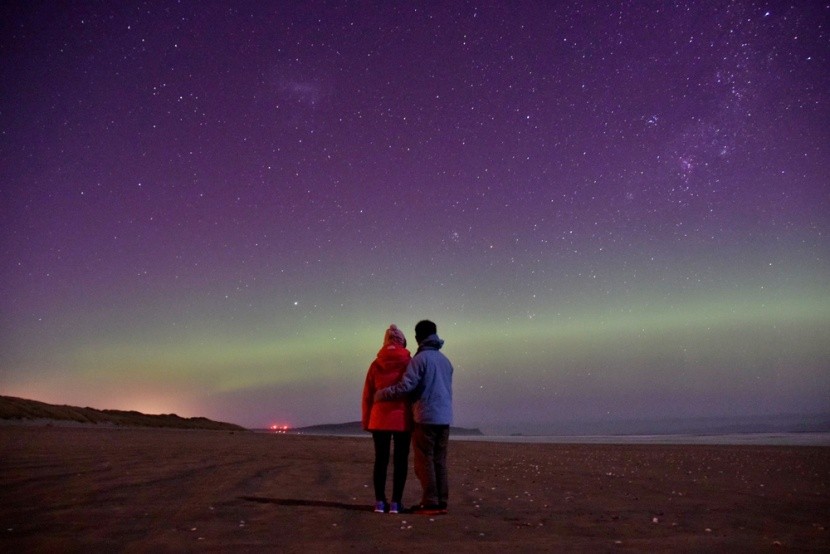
point(612, 210)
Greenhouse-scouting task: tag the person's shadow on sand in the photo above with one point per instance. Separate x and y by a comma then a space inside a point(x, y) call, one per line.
point(313, 503)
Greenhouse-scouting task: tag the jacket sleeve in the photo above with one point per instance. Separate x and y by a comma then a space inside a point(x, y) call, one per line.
point(410, 380)
point(368, 398)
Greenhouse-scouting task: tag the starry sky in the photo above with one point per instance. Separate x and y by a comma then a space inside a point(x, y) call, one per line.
point(612, 210)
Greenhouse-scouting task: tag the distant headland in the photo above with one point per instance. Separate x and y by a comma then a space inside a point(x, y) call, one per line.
point(356, 428)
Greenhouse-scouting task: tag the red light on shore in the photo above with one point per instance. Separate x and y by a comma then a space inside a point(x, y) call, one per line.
point(279, 428)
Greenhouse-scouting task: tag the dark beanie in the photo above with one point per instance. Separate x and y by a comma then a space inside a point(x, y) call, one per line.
point(425, 328)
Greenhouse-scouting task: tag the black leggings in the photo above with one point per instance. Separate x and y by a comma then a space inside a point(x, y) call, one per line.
point(400, 463)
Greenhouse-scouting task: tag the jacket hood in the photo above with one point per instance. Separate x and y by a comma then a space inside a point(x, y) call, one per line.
point(390, 357)
point(432, 342)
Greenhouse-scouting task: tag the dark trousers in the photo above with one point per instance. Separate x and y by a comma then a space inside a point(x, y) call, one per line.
point(400, 463)
point(430, 445)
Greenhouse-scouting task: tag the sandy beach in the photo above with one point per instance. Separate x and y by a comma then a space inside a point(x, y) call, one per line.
point(65, 489)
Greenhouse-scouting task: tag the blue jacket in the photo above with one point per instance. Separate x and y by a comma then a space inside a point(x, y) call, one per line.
point(428, 382)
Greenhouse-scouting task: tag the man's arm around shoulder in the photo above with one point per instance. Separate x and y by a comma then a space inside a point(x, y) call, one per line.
point(407, 384)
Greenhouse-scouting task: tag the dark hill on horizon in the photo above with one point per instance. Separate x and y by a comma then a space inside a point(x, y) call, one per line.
point(21, 409)
point(356, 428)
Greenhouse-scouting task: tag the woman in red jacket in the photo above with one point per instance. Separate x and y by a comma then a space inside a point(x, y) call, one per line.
point(388, 421)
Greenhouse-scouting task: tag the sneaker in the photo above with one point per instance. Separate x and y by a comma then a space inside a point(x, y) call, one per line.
point(428, 509)
point(394, 508)
point(380, 507)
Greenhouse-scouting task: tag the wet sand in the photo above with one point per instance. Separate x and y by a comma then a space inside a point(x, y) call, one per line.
point(66, 489)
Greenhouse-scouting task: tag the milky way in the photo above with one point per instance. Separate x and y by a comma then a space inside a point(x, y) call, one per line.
point(611, 210)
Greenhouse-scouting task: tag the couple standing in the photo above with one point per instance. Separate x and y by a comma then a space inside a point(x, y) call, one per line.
point(406, 397)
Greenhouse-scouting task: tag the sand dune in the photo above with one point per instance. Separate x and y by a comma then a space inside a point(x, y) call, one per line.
point(23, 410)
point(139, 490)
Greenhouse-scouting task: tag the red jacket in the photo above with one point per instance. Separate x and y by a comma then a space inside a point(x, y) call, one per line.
point(386, 370)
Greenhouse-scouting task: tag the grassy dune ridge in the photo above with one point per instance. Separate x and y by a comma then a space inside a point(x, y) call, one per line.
point(12, 408)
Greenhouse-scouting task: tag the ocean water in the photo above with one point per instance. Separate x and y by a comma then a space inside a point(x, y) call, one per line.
point(759, 439)
point(777, 439)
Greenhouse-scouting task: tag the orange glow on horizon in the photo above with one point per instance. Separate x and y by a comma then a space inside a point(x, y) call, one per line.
point(280, 428)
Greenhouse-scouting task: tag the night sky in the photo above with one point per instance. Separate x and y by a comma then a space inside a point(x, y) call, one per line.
point(612, 210)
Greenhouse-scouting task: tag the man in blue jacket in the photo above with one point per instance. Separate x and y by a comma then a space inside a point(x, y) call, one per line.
point(428, 382)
